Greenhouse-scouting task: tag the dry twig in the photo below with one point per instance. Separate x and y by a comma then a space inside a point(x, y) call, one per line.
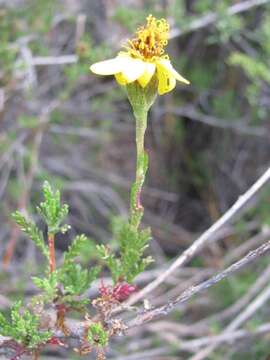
point(211, 17)
point(238, 206)
point(191, 291)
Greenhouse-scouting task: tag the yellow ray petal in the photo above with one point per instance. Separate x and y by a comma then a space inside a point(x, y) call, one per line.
point(166, 81)
point(149, 71)
point(179, 77)
point(167, 65)
point(133, 69)
point(120, 79)
point(109, 67)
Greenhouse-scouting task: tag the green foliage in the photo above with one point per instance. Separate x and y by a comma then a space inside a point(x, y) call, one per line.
point(256, 350)
point(76, 280)
point(132, 244)
point(70, 279)
point(23, 326)
point(97, 335)
point(36, 15)
point(7, 52)
point(263, 35)
point(177, 11)
point(258, 73)
point(74, 250)
point(255, 70)
point(111, 261)
point(30, 229)
point(16, 22)
point(256, 67)
point(28, 122)
point(48, 285)
point(227, 27)
point(87, 53)
point(52, 211)
point(204, 6)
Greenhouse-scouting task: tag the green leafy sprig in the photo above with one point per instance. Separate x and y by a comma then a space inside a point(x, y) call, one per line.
point(132, 244)
point(23, 327)
point(52, 211)
point(31, 229)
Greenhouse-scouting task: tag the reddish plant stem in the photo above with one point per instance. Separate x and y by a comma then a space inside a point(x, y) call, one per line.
point(60, 320)
point(51, 252)
point(9, 251)
point(36, 355)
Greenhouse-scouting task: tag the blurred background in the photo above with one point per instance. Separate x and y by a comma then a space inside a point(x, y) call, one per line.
point(207, 143)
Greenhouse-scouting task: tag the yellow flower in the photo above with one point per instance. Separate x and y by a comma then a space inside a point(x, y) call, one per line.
point(144, 57)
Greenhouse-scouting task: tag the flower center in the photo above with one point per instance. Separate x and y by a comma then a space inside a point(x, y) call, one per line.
point(150, 39)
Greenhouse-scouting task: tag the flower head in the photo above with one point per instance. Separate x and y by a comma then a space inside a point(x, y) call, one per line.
point(150, 40)
point(120, 292)
point(143, 59)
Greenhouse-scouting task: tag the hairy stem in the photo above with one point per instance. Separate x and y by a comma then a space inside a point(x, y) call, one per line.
point(51, 252)
point(136, 208)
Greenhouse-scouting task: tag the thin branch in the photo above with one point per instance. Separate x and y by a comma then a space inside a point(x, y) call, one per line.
point(235, 125)
point(244, 247)
point(54, 60)
point(239, 205)
point(224, 338)
point(2, 99)
point(85, 132)
point(211, 17)
point(77, 328)
point(146, 354)
point(27, 57)
point(241, 303)
point(191, 291)
point(250, 310)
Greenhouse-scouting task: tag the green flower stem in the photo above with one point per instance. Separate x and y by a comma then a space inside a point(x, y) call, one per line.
point(136, 208)
point(141, 99)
